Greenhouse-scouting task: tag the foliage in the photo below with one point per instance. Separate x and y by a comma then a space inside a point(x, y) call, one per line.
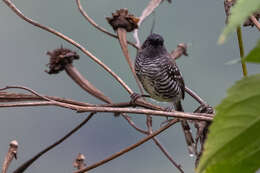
point(241, 10)
point(233, 143)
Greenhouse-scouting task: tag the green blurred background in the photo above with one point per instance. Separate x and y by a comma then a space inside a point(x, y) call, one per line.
point(23, 57)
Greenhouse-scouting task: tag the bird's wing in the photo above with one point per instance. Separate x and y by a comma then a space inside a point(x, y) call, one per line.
point(174, 71)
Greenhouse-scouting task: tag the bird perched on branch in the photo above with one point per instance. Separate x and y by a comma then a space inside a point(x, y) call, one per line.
point(161, 77)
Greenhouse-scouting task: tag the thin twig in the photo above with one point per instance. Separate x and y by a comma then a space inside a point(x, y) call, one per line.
point(128, 119)
point(128, 148)
point(92, 22)
point(27, 104)
point(195, 96)
point(84, 50)
point(26, 164)
point(27, 89)
point(12, 153)
point(165, 152)
point(255, 21)
point(241, 49)
point(156, 141)
point(19, 97)
point(16, 97)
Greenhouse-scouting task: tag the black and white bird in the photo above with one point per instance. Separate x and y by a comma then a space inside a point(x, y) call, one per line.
point(161, 77)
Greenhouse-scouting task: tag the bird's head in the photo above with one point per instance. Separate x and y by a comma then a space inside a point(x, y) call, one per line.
point(153, 40)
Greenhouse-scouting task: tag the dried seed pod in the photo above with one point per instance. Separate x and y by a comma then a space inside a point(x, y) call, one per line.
point(122, 19)
point(79, 162)
point(59, 58)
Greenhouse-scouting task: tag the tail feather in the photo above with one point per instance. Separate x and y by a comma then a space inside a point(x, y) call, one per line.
point(186, 129)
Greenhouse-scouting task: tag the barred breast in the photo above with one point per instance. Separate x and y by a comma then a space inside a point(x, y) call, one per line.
point(160, 77)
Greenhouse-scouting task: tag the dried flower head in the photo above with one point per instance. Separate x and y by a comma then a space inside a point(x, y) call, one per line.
point(229, 3)
point(79, 161)
point(59, 58)
point(121, 19)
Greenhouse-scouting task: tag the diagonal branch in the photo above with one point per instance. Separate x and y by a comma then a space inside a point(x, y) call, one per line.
point(16, 97)
point(92, 22)
point(147, 138)
point(66, 38)
point(165, 152)
point(128, 119)
point(12, 153)
point(195, 96)
point(26, 164)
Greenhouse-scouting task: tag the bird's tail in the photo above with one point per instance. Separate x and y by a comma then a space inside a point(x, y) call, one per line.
point(186, 130)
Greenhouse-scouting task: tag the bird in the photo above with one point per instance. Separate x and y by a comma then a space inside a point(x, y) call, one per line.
point(161, 78)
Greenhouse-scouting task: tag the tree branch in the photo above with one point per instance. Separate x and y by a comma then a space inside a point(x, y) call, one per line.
point(12, 153)
point(92, 22)
point(26, 164)
point(165, 152)
point(128, 148)
point(16, 97)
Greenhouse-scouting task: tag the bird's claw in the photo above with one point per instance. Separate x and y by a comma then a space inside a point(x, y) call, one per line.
point(134, 97)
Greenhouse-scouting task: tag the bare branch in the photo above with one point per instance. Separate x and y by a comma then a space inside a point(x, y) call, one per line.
point(12, 153)
point(165, 152)
point(92, 22)
point(26, 164)
point(128, 119)
point(128, 148)
point(27, 104)
point(27, 89)
point(195, 96)
point(85, 51)
point(79, 162)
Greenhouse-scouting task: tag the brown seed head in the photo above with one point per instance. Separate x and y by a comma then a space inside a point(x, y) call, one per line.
point(59, 58)
point(79, 161)
point(121, 19)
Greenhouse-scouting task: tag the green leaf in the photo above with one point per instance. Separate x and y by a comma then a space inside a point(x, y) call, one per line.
point(239, 13)
point(254, 55)
point(233, 144)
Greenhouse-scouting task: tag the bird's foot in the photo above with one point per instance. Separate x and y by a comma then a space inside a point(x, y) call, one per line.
point(136, 96)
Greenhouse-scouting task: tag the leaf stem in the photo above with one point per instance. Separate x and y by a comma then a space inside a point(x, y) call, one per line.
point(241, 49)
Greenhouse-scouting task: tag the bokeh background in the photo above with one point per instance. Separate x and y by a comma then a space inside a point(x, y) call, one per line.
point(23, 57)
